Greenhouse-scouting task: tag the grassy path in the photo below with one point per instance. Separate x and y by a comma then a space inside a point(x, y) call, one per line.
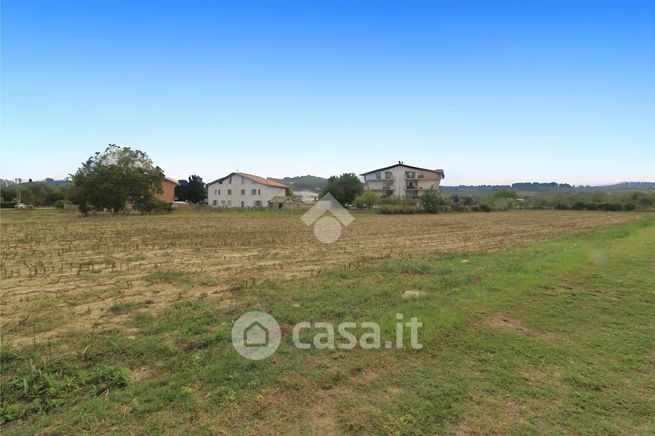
point(557, 337)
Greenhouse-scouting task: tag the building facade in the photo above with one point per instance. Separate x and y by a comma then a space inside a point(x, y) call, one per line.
point(237, 190)
point(168, 190)
point(405, 181)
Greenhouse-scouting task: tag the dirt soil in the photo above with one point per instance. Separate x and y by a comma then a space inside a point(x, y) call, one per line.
point(61, 272)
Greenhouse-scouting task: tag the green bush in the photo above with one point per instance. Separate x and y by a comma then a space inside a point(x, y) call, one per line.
point(60, 204)
point(432, 202)
point(153, 205)
point(399, 209)
point(367, 199)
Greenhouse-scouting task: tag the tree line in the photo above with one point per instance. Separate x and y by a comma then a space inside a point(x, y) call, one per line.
point(120, 178)
point(115, 179)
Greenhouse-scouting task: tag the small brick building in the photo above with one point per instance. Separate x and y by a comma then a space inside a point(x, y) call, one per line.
point(168, 186)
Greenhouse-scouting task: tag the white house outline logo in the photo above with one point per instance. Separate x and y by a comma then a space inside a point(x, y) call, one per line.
point(327, 228)
point(256, 335)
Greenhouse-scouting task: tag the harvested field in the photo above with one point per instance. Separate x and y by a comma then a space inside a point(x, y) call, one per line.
point(62, 272)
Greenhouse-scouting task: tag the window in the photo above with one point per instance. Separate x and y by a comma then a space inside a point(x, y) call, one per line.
point(410, 174)
point(219, 192)
point(378, 176)
point(229, 192)
point(214, 203)
point(258, 203)
point(253, 192)
point(243, 204)
point(243, 192)
point(388, 175)
point(229, 203)
point(230, 180)
point(259, 192)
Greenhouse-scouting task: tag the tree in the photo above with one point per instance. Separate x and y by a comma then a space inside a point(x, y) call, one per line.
point(193, 190)
point(344, 188)
point(504, 199)
point(505, 193)
point(367, 199)
point(116, 177)
point(431, 201)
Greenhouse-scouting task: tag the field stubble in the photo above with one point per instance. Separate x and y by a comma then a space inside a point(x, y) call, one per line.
point(63, 273)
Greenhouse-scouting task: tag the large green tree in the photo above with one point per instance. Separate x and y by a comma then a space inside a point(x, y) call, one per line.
point(117, 177)
point(193, 190)
point(344, 188)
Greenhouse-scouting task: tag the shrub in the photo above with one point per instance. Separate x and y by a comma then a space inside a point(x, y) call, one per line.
point(504, 203)
point(399, 209)
point(505, 193)
point(432, 202)
point(367, 200)
point(461, 208)
point(484, 208)
point(392, 200)
point(612, 207)
point(61, 204)
point(150, 205)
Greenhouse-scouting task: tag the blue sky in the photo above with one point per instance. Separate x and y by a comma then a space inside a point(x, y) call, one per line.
point(490, 91)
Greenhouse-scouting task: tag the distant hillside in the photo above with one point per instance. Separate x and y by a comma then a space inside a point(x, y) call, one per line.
point(531, 188)
point(304, 183)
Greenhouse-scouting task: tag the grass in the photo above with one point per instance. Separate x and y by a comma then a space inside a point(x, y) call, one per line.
point(73, 271)
point(550, 337)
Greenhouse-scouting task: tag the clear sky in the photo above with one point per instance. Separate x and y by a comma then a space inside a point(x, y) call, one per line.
point(490, 91)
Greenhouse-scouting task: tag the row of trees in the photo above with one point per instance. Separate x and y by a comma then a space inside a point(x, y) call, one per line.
point(117, 178)
point(121, 177)
point(613, 201)
point(349, 190)
point(35, 193)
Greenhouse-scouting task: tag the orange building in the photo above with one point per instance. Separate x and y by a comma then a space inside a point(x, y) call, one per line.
point(168, 186)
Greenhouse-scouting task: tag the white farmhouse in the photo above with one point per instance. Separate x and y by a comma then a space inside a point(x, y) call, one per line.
point(244, 190)
point(404, 181)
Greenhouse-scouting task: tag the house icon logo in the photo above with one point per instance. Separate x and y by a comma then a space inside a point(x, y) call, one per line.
point(327, 228)
point(256, 335)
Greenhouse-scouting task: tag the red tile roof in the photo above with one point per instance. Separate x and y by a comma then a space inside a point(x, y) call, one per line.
point(257, 179)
